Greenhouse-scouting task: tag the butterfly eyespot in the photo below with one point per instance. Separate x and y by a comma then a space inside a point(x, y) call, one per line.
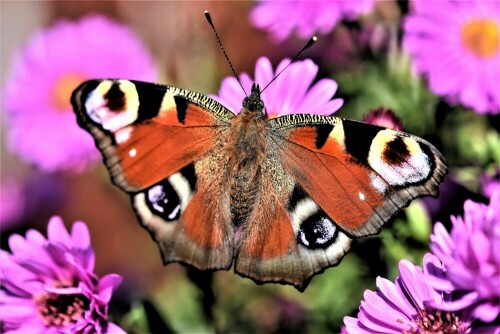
point(317, 231)
point(163, 201)
point(116, 99)
point(113, 104)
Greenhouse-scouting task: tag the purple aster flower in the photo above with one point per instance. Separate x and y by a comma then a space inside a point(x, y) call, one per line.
point(471, 255)
point(406, 306)
point(48, 285)
point(291, 93)
point(42, 128)
point(305, 18)
point(459, 53)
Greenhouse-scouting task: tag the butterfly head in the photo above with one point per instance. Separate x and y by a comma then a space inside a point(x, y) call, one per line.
point(253, 102)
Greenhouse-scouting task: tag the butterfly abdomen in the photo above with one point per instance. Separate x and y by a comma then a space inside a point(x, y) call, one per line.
point(246, 149)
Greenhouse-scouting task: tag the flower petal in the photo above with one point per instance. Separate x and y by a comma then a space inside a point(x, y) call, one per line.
point(56, 232)
point(80, 235)
point(459, 304)
point(114, 329)
point(388, 289)
point(487, 312)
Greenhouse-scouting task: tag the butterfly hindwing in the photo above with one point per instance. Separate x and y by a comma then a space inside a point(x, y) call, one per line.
point(287, 237)
point(359, 174)
point(163, 145)
point(189, 224)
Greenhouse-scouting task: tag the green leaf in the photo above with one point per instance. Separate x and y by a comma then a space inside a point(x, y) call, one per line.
point(419, 222)
point(392, 85)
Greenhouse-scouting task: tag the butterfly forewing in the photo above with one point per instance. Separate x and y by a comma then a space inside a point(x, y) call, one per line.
point(146, 132)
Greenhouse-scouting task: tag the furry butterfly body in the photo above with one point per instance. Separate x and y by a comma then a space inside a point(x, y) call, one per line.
point(281, 198)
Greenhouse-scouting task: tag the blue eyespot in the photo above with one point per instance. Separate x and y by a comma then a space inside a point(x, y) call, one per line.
point(317, 232)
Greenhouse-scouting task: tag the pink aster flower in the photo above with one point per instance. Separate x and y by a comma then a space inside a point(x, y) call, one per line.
point(471, 255)
point(42, 128)
point(306, 17)
point(406, 306)
point(291, 93)
point(48, 285)
point(456, 44)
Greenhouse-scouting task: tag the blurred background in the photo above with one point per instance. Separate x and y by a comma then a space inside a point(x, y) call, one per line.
point(362, 52)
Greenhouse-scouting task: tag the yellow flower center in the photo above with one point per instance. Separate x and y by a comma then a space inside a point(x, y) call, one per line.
point(481, 37)
point(63, 88)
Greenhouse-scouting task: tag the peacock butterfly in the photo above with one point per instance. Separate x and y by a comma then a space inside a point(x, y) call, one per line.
point(280, 197)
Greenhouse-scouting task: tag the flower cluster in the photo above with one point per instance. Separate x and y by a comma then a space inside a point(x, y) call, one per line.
point(48, 285)
point(458, 290)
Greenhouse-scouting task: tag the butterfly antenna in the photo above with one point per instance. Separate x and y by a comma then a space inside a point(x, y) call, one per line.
point(209, 19)
point(307, 46)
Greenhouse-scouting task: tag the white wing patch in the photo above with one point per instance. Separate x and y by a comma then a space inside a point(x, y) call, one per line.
point(304, 208)
point(182, 188)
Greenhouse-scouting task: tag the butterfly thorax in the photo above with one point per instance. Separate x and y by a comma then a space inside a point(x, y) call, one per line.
point(246, 148)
